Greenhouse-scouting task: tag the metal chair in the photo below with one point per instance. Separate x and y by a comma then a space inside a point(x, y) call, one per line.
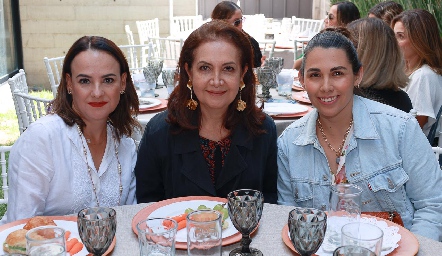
point(54, 65)
point(4, 173)
point(267, 47)
point(147, 29)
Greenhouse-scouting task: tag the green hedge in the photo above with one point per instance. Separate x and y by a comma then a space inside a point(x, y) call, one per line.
point(433, 6)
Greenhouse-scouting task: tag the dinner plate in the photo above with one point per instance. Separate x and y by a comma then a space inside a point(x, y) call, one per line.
point(65, 222)
point(287, 116)
point(158, 107)
point(297, 86)
point(282, 108)
point(407, 245)
point(176, 206)
point(146, 103)
point(301, 97)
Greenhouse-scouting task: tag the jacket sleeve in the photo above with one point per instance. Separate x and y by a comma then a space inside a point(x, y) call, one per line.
point(284, 187)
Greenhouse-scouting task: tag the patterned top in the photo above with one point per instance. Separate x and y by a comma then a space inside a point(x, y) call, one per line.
point(215, 152)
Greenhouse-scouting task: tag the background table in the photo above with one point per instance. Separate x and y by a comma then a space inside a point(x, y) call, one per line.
point(267, 238)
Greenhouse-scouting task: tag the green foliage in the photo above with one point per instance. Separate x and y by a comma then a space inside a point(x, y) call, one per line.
point(433, 6)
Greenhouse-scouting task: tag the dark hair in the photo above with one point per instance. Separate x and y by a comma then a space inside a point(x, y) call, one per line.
point(422, 30)
point(183, 118)
point(386, 10)
point(333, 38)
point(224, 10)
point(346, 13)
point(122, 118)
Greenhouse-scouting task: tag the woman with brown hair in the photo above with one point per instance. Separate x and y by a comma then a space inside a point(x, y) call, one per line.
point(383, 63)
point(385, 11)
point(213, 138)
point(81, 155)
point(419, 39)
point(341, 13)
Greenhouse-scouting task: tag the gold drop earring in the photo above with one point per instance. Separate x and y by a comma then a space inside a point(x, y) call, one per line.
point(241, 104)
point(191, 104)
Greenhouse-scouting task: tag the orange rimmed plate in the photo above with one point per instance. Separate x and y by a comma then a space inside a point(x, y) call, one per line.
point(300, 96)
point(65, 222)
point(295, 115)
point(155, 108)
point(175, 206)
point(408, 245)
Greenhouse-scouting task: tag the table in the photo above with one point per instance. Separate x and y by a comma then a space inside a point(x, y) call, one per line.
point(267, 238)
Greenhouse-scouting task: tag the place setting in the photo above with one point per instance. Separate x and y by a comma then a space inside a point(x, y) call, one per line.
point(202, 225)
point(343, 230)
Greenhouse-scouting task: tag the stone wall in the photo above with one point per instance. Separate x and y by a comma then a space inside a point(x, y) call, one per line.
point(49, 27)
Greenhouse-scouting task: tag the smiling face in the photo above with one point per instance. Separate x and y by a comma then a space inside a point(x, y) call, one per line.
point(329, 81)
point(404, 41)
point(331, 19)
point(95, 85)
point(216, 75)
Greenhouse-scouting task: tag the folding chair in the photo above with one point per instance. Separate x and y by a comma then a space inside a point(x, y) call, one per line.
point(4, 173)
point(54, 65)
point(147, 29)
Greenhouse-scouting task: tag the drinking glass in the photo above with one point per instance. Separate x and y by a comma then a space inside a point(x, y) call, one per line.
point(156, 236)
point(276, 64)
point(345, 207)
point(147, 87)
point(285, 81)
point(97, 227)
point(168, 75)
point(45, 240)
point(307, 228)
point(265, 77)
point(245, 209)
point(352, 250)
point(204, 233)
point(363, 234)
point(157, 65)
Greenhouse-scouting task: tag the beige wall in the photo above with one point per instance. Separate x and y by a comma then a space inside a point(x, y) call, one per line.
point(49, 27)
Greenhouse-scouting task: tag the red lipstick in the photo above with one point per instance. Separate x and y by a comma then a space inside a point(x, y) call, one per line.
point(97, 104)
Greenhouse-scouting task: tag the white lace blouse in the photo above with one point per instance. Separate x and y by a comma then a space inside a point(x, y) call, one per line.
point(48, 174)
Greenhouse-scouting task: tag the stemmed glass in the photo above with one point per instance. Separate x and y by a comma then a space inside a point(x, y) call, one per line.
point(276, 64)
point(245, 209)
point(266, 76)
point(97, 227)
point(157, 65)
point(307, 228)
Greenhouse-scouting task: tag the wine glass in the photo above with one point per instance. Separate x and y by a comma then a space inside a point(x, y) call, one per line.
point(97, 227)
point(307, 228)
point(157, 65)
point(276, 64)
point(265, 78)
point(245, 209)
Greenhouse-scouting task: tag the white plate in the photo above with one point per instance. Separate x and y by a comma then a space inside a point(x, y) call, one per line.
point(65, 224)
point(148, 102)
point(276, 108)
point(178, 208)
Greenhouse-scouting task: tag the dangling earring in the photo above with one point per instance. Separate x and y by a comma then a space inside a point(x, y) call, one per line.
point(191, 104)
point(122, 92)
point(241, 104)
point(69, 91)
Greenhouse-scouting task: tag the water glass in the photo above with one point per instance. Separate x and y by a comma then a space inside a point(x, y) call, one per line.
point(352, 250)
point(345, 207)
point(156, 236)
point(204, 232)
point(285, 81)
point(45, 240)
point(363, 234)
point(168, 76)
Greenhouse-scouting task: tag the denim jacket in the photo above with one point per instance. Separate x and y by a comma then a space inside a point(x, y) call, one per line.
point(388, 156)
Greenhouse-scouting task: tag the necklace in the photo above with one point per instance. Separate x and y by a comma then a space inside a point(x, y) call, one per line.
point(89, 169)
point(338, 152)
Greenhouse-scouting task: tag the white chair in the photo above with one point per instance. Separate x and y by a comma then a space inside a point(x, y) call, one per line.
point(27, 108)
point(54, 65)
point(129, 35)
point(147, 29)
point(254, 25)
point(4, 173)
point(267, 47)
point(306, 27)
point(182, 26)
point(168, 49)
point(137, 55)
point(299, 45)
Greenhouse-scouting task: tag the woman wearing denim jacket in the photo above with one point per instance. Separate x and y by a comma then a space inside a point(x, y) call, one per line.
point(347, 138)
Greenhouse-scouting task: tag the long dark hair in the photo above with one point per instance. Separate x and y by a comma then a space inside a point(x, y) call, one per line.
point(183, 118)
point(224, 10)
point(346, 12)
point(122, 118)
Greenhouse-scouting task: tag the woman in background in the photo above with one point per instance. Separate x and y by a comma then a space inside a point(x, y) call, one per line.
point(232, 14)
point(81, 155)
point(383, 63)
point(385, 11)
point(419, 39)
point(212, 139)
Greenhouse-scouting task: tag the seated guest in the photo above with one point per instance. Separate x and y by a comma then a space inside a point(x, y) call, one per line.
point(213, 139)
point(347, 138)
point(385, 11)
point(383, 63)
point(81, 155)
point(339, 15)
point(419, 39)
point(231, 13)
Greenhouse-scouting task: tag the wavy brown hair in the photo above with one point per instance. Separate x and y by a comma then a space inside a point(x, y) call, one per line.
point(183, 118)
point(423, 33)
point(386, 10)
point(379, 53)
point(122, 118)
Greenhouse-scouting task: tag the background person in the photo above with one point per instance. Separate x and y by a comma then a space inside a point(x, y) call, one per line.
point(385, 11)
point(232, 14)
point(383, 63)
point(419, 39)
point(213, 139)
point(81, 155)
point(347, 138)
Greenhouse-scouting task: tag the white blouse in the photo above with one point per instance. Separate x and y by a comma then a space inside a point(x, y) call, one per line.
point(48, 173)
